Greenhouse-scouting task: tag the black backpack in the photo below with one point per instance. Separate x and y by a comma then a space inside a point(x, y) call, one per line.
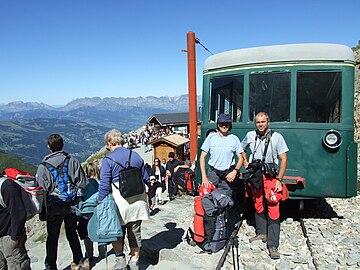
point(130, 179)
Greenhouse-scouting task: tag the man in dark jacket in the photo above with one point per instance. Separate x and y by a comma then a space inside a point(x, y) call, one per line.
point(59, 208)
point(13, 254)
point(170, 166)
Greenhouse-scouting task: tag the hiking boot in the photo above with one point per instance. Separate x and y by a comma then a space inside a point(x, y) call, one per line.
point(120, 263)
point(274, 253)
point(257, 237)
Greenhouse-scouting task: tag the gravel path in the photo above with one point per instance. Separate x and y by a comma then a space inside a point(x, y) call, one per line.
point(332, 242)
point(329, 239)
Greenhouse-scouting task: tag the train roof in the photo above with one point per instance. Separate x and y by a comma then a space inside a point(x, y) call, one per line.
point(281, 53)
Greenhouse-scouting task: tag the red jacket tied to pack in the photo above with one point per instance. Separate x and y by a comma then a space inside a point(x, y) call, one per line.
point(199, 230)
point(15, 173)
point(206, 190)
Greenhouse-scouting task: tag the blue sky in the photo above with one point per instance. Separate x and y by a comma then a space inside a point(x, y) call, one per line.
point(56, 51)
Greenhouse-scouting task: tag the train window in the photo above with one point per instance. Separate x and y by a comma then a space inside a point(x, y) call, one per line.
point(227, 97)
point(318, 97)
point(270, 93)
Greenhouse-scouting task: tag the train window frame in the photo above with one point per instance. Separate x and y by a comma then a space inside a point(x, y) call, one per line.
point(254, 108)
point(317, 111)
point(228, 100)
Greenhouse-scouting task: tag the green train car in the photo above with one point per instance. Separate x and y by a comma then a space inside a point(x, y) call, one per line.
point(308, 92)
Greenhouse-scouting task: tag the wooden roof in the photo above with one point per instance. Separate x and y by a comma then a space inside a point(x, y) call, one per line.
point(173, 139)
point(167, 119)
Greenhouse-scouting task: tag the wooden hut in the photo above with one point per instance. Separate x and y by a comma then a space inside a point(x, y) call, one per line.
point(171, 143)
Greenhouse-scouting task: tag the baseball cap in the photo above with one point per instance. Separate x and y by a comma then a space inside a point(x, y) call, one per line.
point(171, 154)
point(224, 118)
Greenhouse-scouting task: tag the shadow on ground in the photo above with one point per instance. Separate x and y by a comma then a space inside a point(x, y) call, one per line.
point(312, 208)
point(163, 240)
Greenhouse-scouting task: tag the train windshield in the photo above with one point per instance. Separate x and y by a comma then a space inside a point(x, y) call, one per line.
point(318, 97)
point(227, 97)
point(270, 92)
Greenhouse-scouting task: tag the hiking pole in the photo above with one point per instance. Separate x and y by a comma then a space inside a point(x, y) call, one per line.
point(228, 245)
point(233, 255)
point(236, 244)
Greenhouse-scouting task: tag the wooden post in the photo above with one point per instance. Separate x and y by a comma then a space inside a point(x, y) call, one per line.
point(192, 95)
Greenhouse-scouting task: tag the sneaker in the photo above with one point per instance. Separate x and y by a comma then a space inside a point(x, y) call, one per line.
point(134, 265)
point(257, 237)
point(274, 253)
point(120, 263)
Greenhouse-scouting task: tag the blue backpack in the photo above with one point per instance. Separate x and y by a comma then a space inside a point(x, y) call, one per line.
point(65, 190)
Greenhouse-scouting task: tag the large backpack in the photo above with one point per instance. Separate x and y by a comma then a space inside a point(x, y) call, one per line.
point(65, 189)
point(210, 232)
point(32, 195)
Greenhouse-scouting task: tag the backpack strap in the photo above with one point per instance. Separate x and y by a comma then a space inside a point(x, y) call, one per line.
point(60, 169)
point(118, 163)
point(51, 167)
point(127, 165)
point(267, 142)
point(2, 203)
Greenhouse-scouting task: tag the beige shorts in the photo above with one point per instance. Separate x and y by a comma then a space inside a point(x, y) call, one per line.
point(133, 232)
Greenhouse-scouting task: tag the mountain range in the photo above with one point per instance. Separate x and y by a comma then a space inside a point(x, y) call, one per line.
point(25, 126)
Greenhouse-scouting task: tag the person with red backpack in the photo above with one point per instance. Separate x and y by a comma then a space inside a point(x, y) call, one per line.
point(13, 254)
point(63, 179)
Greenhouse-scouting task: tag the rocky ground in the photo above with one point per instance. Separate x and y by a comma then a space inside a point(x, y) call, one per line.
point(332, 240)
point(328, 239)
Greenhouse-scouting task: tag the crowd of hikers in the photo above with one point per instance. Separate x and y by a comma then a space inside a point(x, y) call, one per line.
point(109, 203)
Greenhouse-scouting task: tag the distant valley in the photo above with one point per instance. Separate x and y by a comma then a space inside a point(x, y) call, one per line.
point(25, 126)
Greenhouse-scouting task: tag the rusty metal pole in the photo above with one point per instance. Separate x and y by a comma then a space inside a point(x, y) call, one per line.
point(192, 95)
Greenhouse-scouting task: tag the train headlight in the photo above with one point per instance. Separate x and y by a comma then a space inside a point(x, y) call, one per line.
point(332, 139)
